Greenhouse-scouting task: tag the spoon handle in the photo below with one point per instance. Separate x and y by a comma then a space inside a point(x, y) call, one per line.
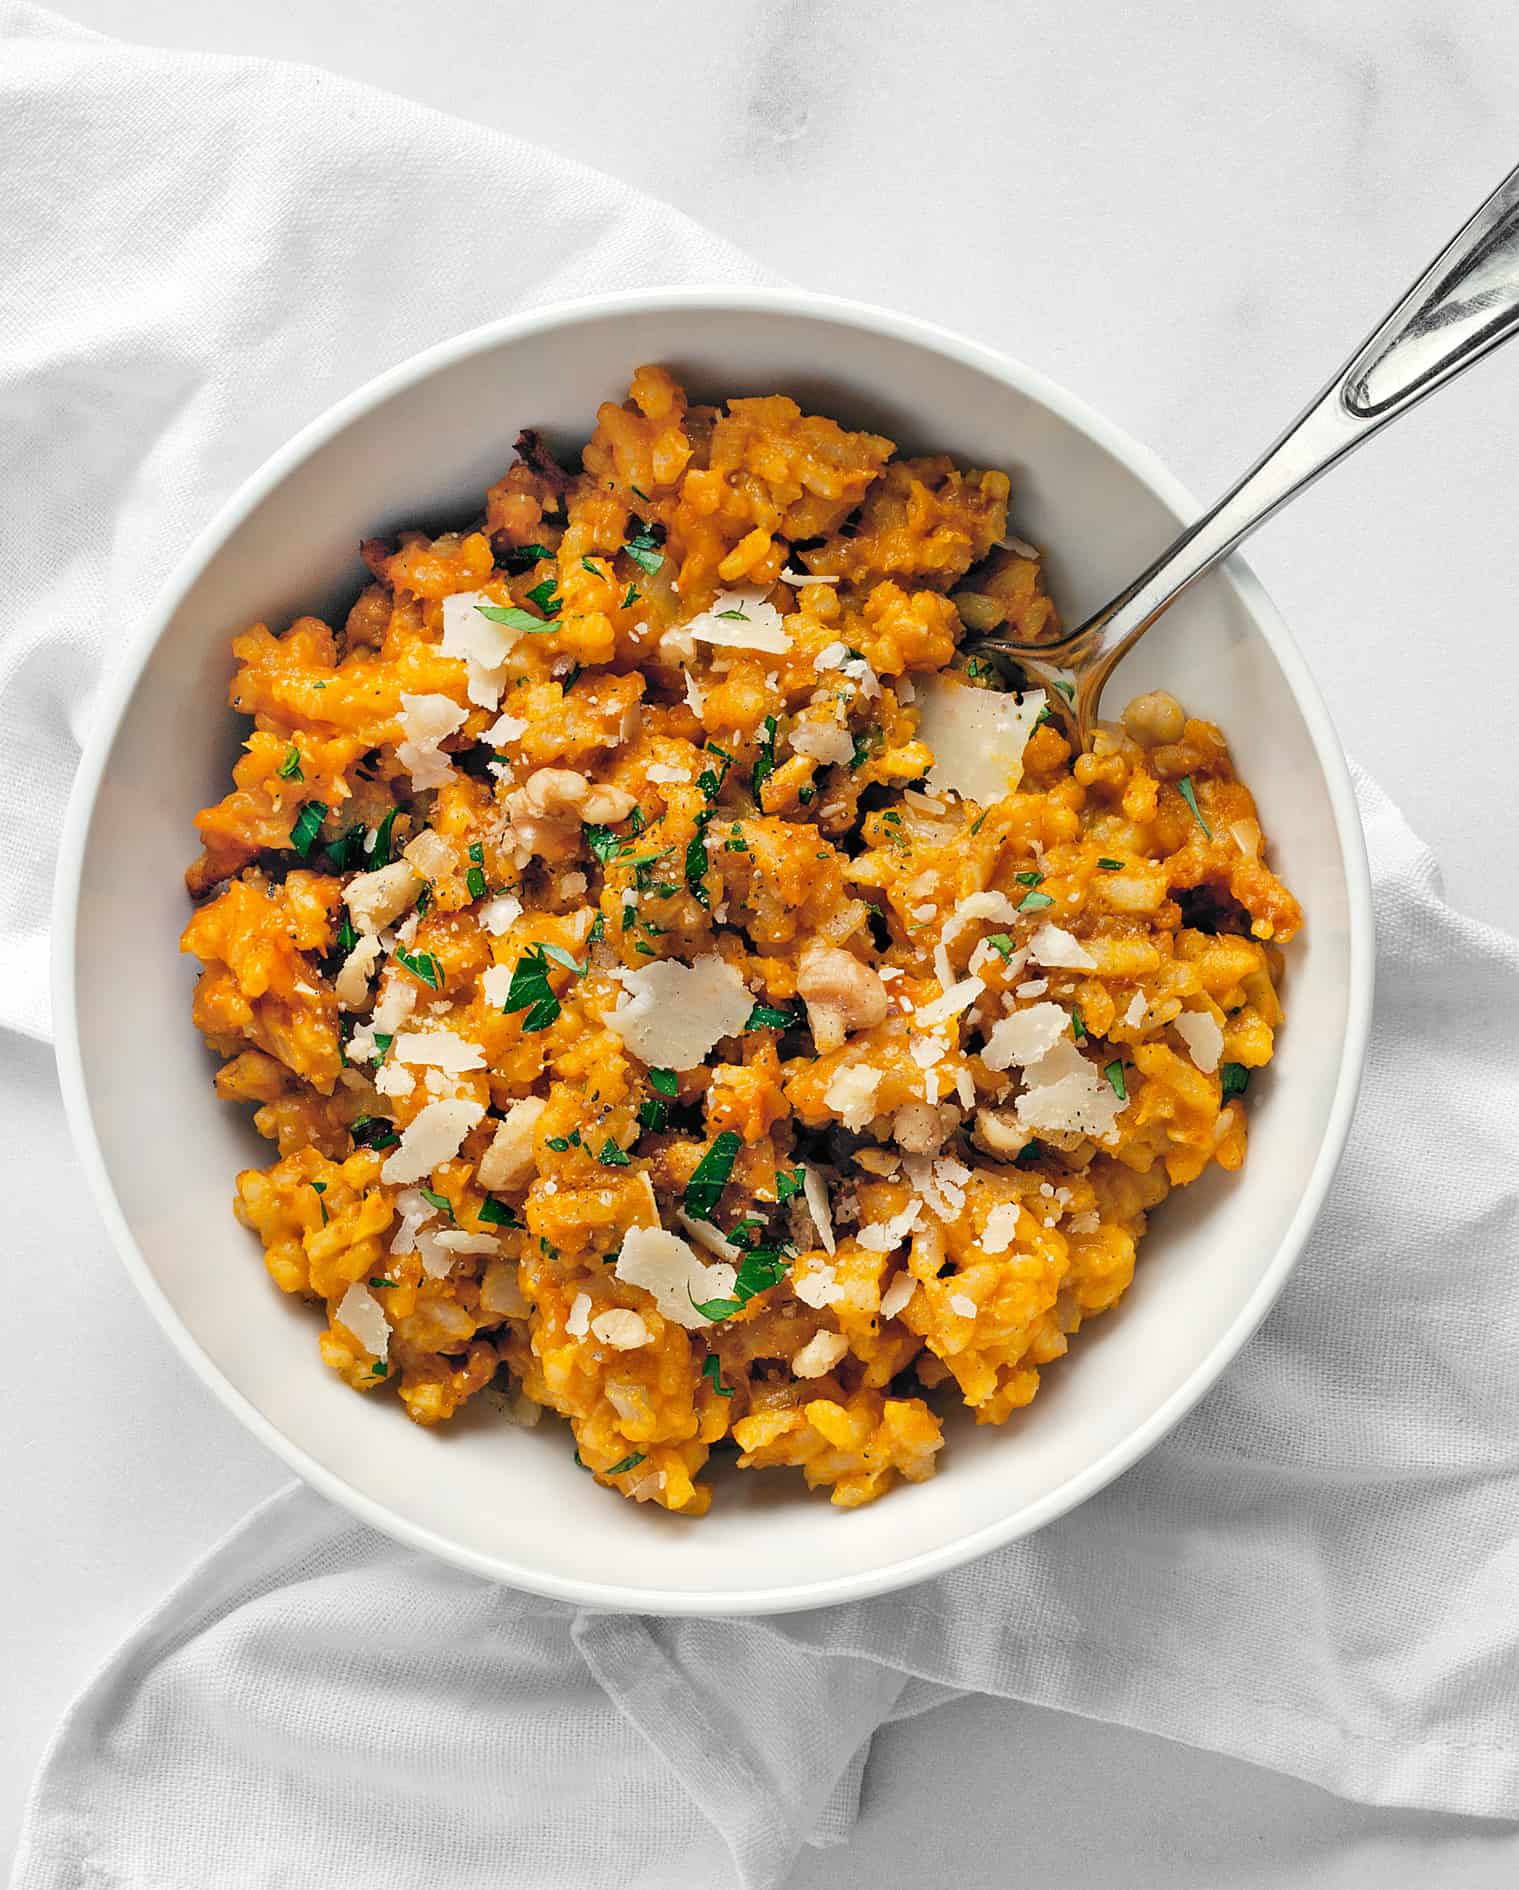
point(1464, 304)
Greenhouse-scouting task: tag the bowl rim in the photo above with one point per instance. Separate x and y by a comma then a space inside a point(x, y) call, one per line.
point(120, 686)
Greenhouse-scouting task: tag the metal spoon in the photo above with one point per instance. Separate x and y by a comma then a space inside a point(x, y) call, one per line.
point(1463, 305)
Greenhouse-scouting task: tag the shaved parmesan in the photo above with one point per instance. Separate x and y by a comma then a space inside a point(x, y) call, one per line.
point(1087, 1222)
point(579, 1321)
point(432, 1136)
point(957, 998)
point(1025, 1036)
point(695, 695)
point(819, 1355)
point(481, 644)
point(505, 728)
point(1066, 1095)
point(351, 985)
point(963, 1304)
point(851, 1093)
point(818, 1286)
point(815, 1193)
point(741, 620)
point(885, 1236)
point(1137, 1012)
point(663, 775)
point(497, 914)
point(674, 1013)
point(1001, 1225)
point(1200, 1032)
point(1053, 945)
point(825, 742)
point(894, 1299)
point(395, 1080)
point(456, 1240)
point(977, 735)
point(426, 721)
point(788, 576)
point(508, 1162)
point(710, 1237)
point(429, 854)
point(364, 1317)
point(673, 1272)
point(440, 1048)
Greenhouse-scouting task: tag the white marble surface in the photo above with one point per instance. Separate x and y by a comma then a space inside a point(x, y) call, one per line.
point(1186, 214)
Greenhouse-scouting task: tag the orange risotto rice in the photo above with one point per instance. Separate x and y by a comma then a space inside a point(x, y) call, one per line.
point(684, 992)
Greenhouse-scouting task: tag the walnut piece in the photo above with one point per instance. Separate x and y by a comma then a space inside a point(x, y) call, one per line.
point(840, 993)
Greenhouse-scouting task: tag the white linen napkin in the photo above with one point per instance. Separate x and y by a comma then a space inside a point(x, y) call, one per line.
point(1316, 1570)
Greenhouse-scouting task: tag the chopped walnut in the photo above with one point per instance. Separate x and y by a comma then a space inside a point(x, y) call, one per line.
point(376, 898)
point(840, 993)
point(552, 803)
point(921, 1128)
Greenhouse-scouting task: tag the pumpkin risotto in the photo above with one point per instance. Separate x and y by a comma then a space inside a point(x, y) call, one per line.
point(688, 995)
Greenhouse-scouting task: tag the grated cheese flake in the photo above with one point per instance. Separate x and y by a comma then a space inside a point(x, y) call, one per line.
point(851, 1093)
point(425, 722)
point(819, 1355)
point(1200, 1032)
point(621, 1329)
point(1053, 945)
point(673, 1013)
point(957, 998)
point(977, 735)
point(815, 1193)
point(443, 1049)
point(741, 620)
point(673, 1272)
point(579, 1321)
point(894, 1299)
point(1001, 1225)
point(1064, 1094)
point(432, 1136)
point(885, 1236)
point(364, 1317)
point(1024, 1037)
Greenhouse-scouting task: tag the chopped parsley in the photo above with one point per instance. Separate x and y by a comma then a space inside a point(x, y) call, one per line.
point(734, 616)
point(543, 595)
point(764, 765)
point(373, 1132)
point(710, 1176)
point(347, 937)
point(440, 1201)
point(424, 901)
point(768, 1017)
point(628, 1463)
point(1078, 1027)
point(588, 564)
point(1068, 690)
point(643, 549)
point(1234, 1080)
point(712, 1371)
point(1114, 1074)
point(378, 848)
point(653, 1115)
point(309, 824)
point(383, 1039)
point(516, 619)
point(378, 1281)
point(631, 599)
point(1028, 879)
point(474, 878)
point(526, 555)
point(639, 492)
point(1111, 866)
point(320, 1188)
point(342, 850)
point(1030, 1153)
point(530, 989)
point(379, 1369)
point(979, 822)
point(665, 1081)
point(576, 671)
point(290, 767)
point(759, 1270)
point(864, 745)
point(611, 1156)
point(422, 966)
point(1034, 902)
point(497, 1214)
point(789, 1182)
point(1002, 945)
point(696, 862)
point(604, 844)
point(1188, 793)
point(559, 1143)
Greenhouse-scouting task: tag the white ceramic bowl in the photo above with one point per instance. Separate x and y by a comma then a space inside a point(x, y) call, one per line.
point(420, 445)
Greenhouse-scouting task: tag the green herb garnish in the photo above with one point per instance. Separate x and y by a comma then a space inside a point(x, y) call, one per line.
point(440, 1201)
point(474, 878)
point(789, 1182)
point(496, 1214)
point(542, 594)
point(611, 1156)
point(309, 824)
point(559, 1143)
point(530, 989)
point(1188, 793)
point(643, 549)
point(290, 767)
point(1028, 879)
point(712, 1371)
point(1034, 902)
point(422, 966)
point(665, 1081)
point(764, 765)
point(526, 555)
point(378, 850)
point(630, 600)
point(1111, 866)
point(1002, 945)
point(1114, 1074)
point(1234, 1080)
point(378, 1281)
point(515, 618)
point(628, 1463)
point(653, 1115)
point(373, 1131)
point(1078, 1028)
point(320, 1188)
point(768, 1017)
point(710, 1176)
